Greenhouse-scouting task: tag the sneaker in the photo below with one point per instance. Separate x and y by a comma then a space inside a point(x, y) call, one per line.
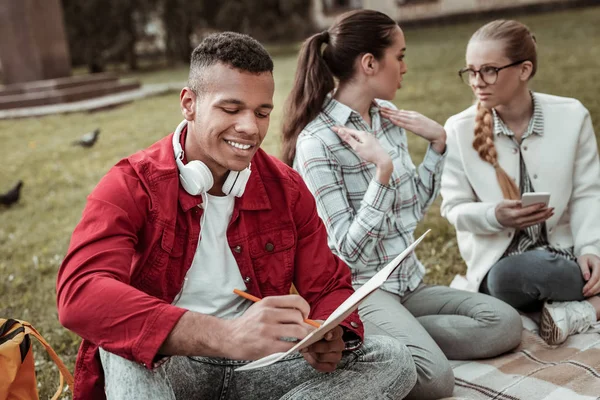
point(560, 319)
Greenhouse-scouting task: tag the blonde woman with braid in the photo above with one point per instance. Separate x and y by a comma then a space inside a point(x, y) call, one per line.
point(349, 144)
point(511, 142)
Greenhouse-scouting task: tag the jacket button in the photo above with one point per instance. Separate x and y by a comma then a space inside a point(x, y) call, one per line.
point(515, 150)
point(509, 234)
point(269, 246)
point(247, 279)
point(237, 249)
point(353, 324)
point(525, 148)
point(534, 176)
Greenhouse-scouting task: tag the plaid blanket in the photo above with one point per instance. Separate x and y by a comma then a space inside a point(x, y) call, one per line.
point(534, 371)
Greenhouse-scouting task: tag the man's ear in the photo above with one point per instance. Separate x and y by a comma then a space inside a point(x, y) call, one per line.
point(526, 70)
point(187, 101)
point(368, 64)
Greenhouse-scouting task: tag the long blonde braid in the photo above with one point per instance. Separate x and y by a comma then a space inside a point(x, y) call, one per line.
point(483, 142)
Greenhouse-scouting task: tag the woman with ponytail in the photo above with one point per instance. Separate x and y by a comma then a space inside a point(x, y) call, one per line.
point(515, 141)
point(349, 144)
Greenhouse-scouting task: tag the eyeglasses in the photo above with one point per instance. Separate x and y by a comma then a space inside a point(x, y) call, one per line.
point(487, 73)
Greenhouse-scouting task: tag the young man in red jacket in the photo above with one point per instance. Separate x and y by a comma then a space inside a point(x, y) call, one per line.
point(170, 231)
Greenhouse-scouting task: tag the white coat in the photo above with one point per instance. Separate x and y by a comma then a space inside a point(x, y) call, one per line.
point(563, 161)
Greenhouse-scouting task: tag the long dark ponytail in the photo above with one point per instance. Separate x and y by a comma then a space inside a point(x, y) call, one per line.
point(354, 33)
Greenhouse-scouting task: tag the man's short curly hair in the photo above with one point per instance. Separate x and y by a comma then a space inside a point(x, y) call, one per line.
point(235, 49)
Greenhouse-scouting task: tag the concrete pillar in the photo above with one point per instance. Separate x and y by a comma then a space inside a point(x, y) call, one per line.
point(33, 42)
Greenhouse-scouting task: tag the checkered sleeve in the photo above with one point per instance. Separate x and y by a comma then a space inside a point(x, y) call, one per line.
point(354, 233)
point(428, 177)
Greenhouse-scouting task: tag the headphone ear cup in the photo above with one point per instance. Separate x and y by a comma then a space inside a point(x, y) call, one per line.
point(236, 181)
point(195, 177)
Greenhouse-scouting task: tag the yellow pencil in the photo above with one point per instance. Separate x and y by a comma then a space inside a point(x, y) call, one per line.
point(255, 299)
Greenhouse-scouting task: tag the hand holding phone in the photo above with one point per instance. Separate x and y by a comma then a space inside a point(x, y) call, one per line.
point(521, 214)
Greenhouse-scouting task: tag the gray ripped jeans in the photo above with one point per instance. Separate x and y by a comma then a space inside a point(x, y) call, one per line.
point(380, 369)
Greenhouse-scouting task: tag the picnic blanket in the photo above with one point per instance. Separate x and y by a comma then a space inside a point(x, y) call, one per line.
point(534, 370)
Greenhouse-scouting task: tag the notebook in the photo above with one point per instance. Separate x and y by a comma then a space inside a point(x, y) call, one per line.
point(340, 313)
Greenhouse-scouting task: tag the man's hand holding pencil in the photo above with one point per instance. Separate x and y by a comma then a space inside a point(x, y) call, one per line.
point(258, 332)
point(269, 320)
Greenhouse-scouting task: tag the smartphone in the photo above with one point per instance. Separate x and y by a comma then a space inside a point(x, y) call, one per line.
point(534, 198)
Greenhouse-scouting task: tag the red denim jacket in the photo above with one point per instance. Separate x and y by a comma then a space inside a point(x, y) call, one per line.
point(137, 238)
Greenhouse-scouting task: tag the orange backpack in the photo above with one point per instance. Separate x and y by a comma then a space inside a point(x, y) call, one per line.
point(17, 380)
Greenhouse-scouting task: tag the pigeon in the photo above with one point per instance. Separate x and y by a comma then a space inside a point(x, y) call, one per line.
point(88, 140)
point(12, 196)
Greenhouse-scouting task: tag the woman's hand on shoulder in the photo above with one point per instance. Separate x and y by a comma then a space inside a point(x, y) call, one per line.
point(419, 124)
point(369, 149)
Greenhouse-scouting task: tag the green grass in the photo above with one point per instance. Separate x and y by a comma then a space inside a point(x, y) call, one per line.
point(34, 234)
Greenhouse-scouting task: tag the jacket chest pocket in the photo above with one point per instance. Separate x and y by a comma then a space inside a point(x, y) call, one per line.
point(272, 257)
point(173, 242)
point(165, 263)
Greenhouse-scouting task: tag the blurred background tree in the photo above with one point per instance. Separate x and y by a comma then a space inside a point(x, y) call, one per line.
point(180, 19)
point(105, 31)
point(266, 20)
point(101, 32)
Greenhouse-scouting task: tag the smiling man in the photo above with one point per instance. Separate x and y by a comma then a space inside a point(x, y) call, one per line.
point(170, 231)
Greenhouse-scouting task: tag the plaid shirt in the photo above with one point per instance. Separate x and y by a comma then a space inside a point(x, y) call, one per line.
point(368, 224)
point(535, 236)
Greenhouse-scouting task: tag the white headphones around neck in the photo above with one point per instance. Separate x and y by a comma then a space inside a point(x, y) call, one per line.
point(196, 178)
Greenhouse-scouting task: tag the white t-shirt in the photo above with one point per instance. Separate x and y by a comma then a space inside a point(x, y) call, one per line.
point(209, 283)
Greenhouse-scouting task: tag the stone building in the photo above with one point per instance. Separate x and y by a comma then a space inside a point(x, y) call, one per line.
point(325, 11)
